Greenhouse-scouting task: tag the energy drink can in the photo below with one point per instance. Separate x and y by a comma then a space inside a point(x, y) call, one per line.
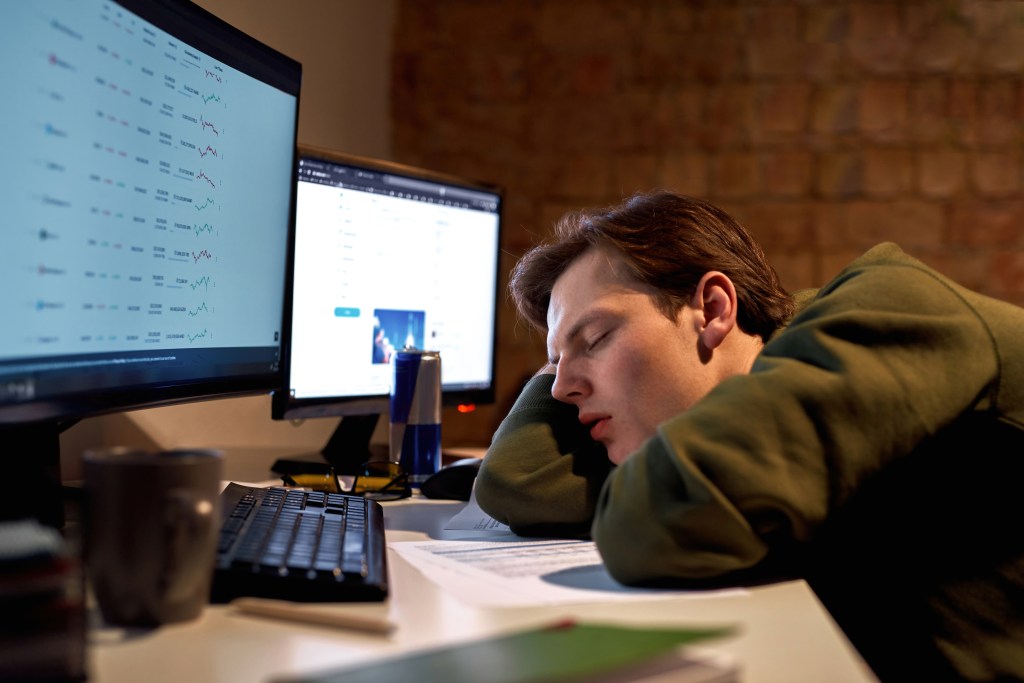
point(416, 413)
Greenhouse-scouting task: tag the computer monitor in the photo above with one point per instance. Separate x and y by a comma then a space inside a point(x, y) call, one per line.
point(386, 256)
point(147, 180)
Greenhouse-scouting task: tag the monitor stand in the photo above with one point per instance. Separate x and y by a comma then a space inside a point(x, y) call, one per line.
point(347, 448)
point(349, 445)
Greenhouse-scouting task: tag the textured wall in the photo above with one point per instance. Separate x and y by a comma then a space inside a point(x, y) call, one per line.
point(824, 126)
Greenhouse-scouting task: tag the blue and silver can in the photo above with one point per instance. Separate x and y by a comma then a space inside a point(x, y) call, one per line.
point(416, 413)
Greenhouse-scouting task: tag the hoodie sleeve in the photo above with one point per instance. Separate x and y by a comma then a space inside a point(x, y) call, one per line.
point(543, 472)
point(885, 357)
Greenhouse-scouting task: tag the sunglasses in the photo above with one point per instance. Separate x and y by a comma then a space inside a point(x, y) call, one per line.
point(381, 480)
point(378, 480)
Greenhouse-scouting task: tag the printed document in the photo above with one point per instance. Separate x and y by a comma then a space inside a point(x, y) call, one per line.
point(513, 571)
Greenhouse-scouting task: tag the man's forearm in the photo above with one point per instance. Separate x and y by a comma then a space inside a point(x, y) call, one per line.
point(542, 473)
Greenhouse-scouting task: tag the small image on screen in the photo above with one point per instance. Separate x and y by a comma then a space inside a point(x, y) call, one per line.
point(393, 330)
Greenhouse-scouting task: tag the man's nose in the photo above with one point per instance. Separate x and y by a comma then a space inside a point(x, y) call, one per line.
point(569, 385)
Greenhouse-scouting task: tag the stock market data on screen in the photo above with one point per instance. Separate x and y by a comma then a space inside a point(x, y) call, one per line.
point(146, 178)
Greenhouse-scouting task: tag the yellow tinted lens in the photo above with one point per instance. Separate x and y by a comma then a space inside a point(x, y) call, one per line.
point(372, 483)
point(379, 476)
point(316, 482)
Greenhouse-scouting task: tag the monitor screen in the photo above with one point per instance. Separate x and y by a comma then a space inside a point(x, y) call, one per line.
point(388, 256)
point(147, 178)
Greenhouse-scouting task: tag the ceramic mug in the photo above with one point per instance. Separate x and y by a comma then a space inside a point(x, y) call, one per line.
point(151, 526)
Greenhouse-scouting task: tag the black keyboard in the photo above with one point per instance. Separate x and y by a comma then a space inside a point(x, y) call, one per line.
point(306, 546)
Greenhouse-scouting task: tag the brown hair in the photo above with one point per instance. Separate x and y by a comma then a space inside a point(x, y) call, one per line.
point(668, 242)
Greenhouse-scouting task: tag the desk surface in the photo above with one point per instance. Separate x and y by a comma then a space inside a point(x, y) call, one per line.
point(784, 632)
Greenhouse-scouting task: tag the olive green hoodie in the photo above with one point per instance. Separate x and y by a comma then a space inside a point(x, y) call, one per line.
point(876, 449)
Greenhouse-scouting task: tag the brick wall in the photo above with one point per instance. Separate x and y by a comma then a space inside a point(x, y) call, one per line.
point(823, 126)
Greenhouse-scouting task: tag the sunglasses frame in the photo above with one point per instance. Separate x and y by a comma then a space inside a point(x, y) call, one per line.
point(396, 488)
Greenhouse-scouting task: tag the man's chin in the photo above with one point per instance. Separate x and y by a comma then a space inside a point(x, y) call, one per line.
point(616, 455)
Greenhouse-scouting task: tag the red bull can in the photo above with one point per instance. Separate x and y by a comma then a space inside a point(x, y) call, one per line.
point(416, 413)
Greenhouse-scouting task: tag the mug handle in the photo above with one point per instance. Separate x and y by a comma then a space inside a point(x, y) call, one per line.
point(187, 523)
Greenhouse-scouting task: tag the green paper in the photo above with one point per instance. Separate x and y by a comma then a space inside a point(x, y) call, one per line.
point(556, 653)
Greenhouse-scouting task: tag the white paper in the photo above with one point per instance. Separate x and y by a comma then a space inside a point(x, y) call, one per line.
point(472, 517)
point(513, 571)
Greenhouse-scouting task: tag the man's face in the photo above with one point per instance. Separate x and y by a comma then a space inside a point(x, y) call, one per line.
point(620, 360)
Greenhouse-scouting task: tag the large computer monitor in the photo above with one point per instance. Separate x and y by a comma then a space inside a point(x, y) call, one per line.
point(147, 183)
point(386, 256)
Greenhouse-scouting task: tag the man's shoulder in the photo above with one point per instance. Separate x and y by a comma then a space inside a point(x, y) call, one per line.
point(886, 253)
point(885, 264)
point(880, 255)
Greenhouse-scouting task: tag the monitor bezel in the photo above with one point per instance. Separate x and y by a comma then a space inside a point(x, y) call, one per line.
point(285, 406)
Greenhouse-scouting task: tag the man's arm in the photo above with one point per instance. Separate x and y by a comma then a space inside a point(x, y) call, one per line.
point(884, 359)
point(543, 472)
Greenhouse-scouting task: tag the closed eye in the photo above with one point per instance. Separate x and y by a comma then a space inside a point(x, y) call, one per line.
point(594, 343)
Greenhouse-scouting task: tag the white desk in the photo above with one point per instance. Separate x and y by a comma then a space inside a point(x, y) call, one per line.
point(785, 634)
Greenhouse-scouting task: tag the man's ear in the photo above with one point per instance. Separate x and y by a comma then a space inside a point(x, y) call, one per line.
point(715, 298)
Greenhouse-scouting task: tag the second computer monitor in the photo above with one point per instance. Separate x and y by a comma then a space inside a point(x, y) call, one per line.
point(388, 256)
